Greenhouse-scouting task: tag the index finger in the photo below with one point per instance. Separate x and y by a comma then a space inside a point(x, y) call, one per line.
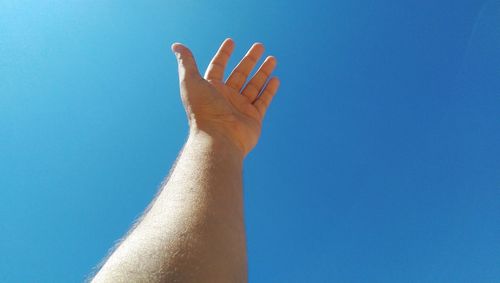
point(215, 70)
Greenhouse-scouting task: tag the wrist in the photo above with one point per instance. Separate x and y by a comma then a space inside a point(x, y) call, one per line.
point(217, 140)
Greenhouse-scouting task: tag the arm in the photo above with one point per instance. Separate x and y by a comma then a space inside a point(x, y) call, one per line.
point(194, 229)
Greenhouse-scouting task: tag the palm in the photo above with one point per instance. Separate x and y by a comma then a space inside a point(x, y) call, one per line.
point(227, 107)
point(235, 101)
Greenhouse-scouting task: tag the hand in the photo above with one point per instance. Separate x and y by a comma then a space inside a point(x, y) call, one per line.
point(227, 109)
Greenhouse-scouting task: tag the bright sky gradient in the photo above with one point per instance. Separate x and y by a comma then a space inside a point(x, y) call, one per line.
point(379, 159)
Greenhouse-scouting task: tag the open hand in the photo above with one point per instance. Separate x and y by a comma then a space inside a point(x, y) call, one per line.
point(230, 109)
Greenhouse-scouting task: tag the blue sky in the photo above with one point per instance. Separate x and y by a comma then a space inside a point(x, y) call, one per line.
point(378, 160)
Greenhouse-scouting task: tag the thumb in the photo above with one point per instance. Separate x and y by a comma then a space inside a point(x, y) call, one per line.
point(185, 59)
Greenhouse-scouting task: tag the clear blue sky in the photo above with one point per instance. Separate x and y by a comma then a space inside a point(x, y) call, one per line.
point(379, 159)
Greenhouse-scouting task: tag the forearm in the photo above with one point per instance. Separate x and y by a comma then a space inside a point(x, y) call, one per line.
point(194, 230)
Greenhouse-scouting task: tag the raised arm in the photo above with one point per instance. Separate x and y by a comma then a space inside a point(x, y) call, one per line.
point(194, 229)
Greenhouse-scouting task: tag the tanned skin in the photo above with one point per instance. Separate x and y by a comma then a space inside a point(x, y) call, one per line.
point(193, 231)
